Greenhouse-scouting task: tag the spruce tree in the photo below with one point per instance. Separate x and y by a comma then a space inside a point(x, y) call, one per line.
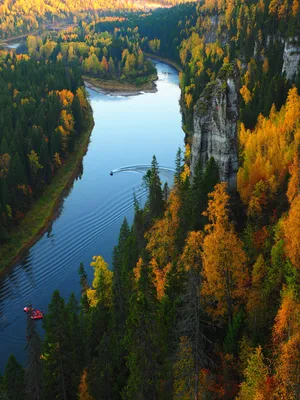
point(60, 363)
point(178, 167)
point(4, 149)
point(100, 373)
point(83, 278)
point(33, 373)
point(198, 197)
point(156, 203)
point(143, 340)
point(211, 176)
point(13, 380)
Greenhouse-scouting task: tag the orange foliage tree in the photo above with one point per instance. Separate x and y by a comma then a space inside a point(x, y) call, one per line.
point(294, 182)
point(224, 260)
point(291, 229)
point(268, 153)
point(286, 337)
point(161, 242)
point(83, 388)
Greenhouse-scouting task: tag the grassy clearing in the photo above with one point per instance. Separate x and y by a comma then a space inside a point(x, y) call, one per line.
point(41, 213)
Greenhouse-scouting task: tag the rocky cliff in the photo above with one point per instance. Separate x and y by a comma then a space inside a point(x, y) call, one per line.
point(291, 58)
point(215, 125)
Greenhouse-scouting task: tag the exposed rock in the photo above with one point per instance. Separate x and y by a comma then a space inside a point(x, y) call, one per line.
point(211, 35)
point(215, 125)
point(291, 58)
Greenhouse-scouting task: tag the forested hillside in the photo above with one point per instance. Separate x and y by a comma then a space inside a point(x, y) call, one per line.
point(202, 298)
point(107, 54)
point(205, 36)
point(43, 111)
point(20, 16)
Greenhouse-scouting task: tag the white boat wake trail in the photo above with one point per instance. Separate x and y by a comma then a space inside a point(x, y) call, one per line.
point(167, 172)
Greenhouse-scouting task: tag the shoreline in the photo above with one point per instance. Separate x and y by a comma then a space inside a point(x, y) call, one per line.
point(116, 88)
point(167, 61)
point(11, 253)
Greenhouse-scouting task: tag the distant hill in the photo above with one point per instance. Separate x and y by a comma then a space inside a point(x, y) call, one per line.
point(22, 16)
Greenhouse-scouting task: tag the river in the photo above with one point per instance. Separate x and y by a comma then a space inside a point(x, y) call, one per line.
point(127, 132)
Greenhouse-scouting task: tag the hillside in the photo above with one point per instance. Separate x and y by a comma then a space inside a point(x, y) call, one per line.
point(202, 300)
point(19, 16)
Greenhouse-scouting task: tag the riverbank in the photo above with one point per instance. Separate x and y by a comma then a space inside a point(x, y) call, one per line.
point(120, 88)
point(39, 217)
point(172, 63)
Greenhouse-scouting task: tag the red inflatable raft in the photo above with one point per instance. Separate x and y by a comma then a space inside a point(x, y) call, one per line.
point(35, 314)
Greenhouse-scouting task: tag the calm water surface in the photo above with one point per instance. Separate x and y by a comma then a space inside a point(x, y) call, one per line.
point(127, 132)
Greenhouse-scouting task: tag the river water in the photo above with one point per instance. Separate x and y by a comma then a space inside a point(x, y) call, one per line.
point(127, 132)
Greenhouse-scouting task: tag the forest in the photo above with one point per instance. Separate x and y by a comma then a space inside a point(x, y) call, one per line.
point(205, 36)
point(19, 16)
point(202, 298)
point(106, 54)
point(43, 111)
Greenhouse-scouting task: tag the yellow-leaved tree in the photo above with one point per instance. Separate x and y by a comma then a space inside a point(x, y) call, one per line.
point(286, 337)
point(224, 260)
point(161, 242)
point(101, 290)
point(291, 229)
point(268, 153)
point(256, 376)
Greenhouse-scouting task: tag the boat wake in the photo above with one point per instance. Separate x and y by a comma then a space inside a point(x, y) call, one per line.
point(167, 172)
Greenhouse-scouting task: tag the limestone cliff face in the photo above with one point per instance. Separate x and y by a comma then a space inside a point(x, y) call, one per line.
point(291, 58)
point(215, 125)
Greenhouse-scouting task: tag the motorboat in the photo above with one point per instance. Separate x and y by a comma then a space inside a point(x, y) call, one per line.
point(111, 173)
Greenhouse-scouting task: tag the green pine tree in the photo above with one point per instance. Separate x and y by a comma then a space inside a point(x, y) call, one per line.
point(13, 380)
point(33, 373)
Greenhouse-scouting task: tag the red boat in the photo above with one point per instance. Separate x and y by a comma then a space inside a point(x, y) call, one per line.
point(35, 314)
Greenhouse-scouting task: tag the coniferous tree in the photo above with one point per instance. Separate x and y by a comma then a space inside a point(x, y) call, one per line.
point(211, 176)
point(143, 339)
point(198, 197)
point(83, 278)
point(34, 371)
point(178, 166)
point(61, 369)
point(193, 322)
point(84, 286)
point(13, 380)
point(156, 203)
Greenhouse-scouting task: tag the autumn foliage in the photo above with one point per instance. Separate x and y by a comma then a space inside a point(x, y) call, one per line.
point(224, 260)
point(268, 153)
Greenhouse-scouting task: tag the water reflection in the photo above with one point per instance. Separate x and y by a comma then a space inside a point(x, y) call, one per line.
point(127, 132)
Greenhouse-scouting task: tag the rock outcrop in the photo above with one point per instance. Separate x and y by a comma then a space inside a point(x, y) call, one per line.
point(291, 58)
point(215, 125)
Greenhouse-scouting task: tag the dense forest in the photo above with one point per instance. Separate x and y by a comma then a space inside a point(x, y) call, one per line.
point(19, 16)
point(202, 300)
point(43, 110)
point(104, 54)
point(203, 37)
